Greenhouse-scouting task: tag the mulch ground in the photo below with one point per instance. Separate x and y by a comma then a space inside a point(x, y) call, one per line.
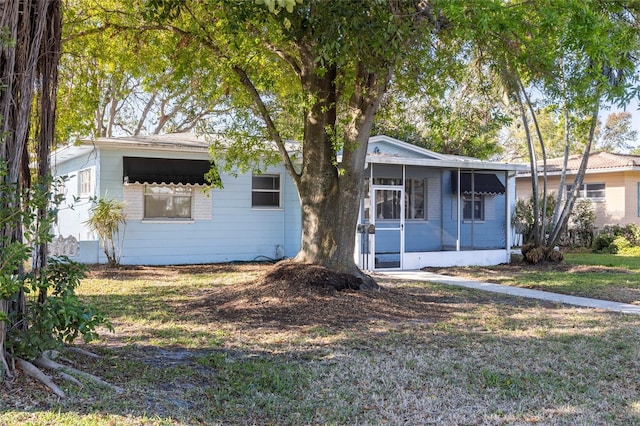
point(291, 295)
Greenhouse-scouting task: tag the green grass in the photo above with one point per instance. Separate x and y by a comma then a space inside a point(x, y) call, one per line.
point(485, 359)
point(602, 276)
point(612, 260)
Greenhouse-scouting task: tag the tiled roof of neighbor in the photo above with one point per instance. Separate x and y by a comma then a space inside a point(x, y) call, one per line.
point(597, 160)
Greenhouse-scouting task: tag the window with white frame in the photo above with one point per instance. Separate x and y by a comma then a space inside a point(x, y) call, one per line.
point(473, 207)
point(168, 202)
point(85, 184)
point(265, 191)
point(591, 191)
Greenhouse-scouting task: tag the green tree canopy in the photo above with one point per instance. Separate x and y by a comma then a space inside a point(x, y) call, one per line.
point(317, 71)
point(463, 116)
point(118, 78)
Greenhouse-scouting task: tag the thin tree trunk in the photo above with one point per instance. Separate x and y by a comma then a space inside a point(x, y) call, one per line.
point(566, 210)
point(563, 174)
point(534, 171)
point(543, 211)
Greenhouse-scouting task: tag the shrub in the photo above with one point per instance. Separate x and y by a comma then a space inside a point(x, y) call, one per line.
point(582, 221)
point(107, 218)
point(602, 243)
point(630, 251)
point(523, 217)
point(614, 238)
point(535, 255)
point(58, 317)
point(555, 256)
point(620, 243)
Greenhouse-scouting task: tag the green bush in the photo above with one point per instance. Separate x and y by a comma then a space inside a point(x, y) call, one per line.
point(108, 220)
point(582, 222)
point(58, 317)
point(602, 243)
point(630, 251)
point(39, 307)
point(614, 238)
point(619, 244)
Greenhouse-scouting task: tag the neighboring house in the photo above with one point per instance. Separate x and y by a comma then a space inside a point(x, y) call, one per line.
point(173, 219)
point(611, 182)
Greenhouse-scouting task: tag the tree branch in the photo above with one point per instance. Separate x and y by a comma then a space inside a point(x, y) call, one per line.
point(271, 127)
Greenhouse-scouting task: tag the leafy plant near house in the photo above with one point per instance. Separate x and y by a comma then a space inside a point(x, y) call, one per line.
point(523, 217)
point(578, 232)
point(39, 309)
point(582, 223)
point(617, 239)
point(107, 218)
point(59, 317)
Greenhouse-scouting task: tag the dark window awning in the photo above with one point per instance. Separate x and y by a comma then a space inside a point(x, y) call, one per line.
point(483, 183)
point(164, 170)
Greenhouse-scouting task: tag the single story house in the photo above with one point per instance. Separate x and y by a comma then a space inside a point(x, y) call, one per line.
point(611, 183)
point(421, 209)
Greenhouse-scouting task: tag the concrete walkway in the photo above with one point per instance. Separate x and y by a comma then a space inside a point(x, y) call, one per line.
point(514, 291)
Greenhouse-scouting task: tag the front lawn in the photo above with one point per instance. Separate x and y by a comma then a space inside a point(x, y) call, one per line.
point(216, 345)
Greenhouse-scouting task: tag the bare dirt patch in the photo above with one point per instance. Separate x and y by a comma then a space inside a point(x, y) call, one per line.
point(291, 294)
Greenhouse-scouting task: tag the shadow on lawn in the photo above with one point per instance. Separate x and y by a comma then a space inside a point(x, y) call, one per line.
point(286, 352)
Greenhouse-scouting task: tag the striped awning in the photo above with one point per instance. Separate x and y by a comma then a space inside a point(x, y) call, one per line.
point(483, 183)
point(164, 171)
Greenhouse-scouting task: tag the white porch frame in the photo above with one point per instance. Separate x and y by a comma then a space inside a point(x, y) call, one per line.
point(441, 258)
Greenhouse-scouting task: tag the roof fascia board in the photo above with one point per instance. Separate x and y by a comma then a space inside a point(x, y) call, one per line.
point(589, 171)
point(155, 146)
point(408, 146)
point(447, 163)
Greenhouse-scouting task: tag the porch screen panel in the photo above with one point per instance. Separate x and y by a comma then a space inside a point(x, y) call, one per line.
point(485, 228)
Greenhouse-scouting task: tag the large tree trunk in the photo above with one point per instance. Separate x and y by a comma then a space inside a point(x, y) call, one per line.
point(28, 79)
point(330, 192)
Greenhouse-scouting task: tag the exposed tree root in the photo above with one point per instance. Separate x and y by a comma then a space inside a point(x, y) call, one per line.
point(66, 372)
point(83, 352)
point(70, 378)
point(34, 372)
point(44, 362)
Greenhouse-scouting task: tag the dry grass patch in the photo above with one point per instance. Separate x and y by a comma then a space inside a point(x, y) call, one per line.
point(221, 345)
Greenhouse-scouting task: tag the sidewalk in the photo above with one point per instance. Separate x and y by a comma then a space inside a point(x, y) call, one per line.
point(515, 291)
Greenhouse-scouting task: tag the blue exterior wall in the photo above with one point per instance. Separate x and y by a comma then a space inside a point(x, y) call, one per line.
point(74, 211)
point(228, 229)
point(234, 231)
point(439, 231)
point(487, 234)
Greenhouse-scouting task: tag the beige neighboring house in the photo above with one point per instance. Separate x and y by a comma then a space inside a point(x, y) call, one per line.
point(611, 182)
